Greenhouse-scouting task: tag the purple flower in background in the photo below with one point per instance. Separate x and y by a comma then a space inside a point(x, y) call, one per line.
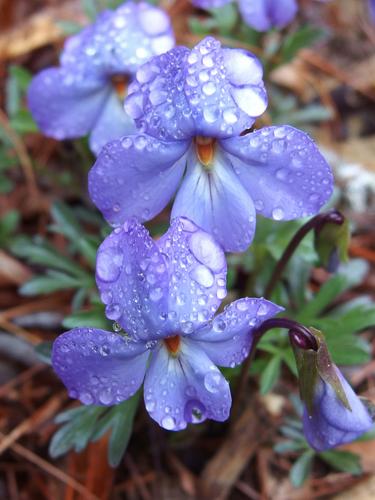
point(191, 107)
point(164, 294)
point(261, 15)
point(371, 8)
point(330, 423)
point(85, 94)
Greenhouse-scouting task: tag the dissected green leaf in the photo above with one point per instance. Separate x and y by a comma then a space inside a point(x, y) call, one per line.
point(270, 374)
point(301, 468)
point(344, 461)
point(121, 429)
point(303, 37)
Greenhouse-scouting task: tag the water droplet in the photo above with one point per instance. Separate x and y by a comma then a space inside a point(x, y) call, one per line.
point(213, 381)
point(207, 251)
point(106, 397)
point(203, 276)
point(194, 411)
point(86, 398)
point(168, 423)
point(156, 294)
point(108, 264)
point(278, 213)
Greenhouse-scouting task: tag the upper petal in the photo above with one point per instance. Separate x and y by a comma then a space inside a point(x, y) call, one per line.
point(185, 389)
point(207, 91)
point(119, 41)
point(132, 278)
point(136, 176)
point(210, 4)
point(228, 338)
point(99, 367)
point(263, 15)
point(197, 275)
point(64, 104)
point(112, 123)
point(282, 170)
point(216, 201)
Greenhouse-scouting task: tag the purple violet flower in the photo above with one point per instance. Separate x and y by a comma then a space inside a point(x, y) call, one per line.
point(261, 15)
point(191, 107)
point(164, 294)
point(85, 94)
point(330, 422)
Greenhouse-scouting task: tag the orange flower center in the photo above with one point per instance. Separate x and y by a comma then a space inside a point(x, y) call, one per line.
point(205, 147)
point(173, 344)
point(120, 83)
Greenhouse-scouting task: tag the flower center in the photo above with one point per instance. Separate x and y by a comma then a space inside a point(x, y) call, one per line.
point(120, 84)
point(173, 344)
point(205, 147)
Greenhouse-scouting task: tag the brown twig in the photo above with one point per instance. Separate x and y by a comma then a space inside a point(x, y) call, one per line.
point(52, 470)
point(40, 416)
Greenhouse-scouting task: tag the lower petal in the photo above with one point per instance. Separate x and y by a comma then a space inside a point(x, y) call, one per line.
point(217, 202)
point(112, 123)
point(227, 339)
point(185, 389)
point(136, 176)
point(65, 105)
point(99, 367)
point(282, 170)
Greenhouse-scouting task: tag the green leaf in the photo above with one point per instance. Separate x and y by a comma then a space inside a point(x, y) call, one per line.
point(46, 255)
point(122, 428)
point(349, 275)
point(288, 446)
point(304, 37)
point(270, 375)
point(69, 27)
point(23, 122)
point(344, 461)
point(52, 282)
point(90, 8)
point(301, 468)
point(67, 224)
point(76, 433)
point(225, 18)
point(43, 351)
point(94, 317)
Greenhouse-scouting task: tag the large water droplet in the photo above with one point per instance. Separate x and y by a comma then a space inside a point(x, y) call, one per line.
point(278, 213)
point(168, 423)
point(207, 251)
point(108, 264)
point(202, 275)
point(194, 411)
point(213, 381)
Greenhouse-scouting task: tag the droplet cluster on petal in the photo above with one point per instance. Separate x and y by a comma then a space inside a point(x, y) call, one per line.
point(119, 41)
point(99, 367)
point(283, 171)
point(132, 278)
point(207, 91)
point(197, 274)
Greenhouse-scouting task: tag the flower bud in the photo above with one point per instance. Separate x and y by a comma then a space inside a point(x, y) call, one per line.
point(333, 413)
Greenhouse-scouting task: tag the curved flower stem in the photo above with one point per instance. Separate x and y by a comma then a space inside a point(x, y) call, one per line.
point(299, 334)
point(316, 224)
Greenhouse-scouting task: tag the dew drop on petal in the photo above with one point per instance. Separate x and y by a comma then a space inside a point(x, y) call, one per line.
point(203, 276)
point(194, 411)
point(278, 213)
point(168, 422)
point(213, 381)
point(108, 264)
